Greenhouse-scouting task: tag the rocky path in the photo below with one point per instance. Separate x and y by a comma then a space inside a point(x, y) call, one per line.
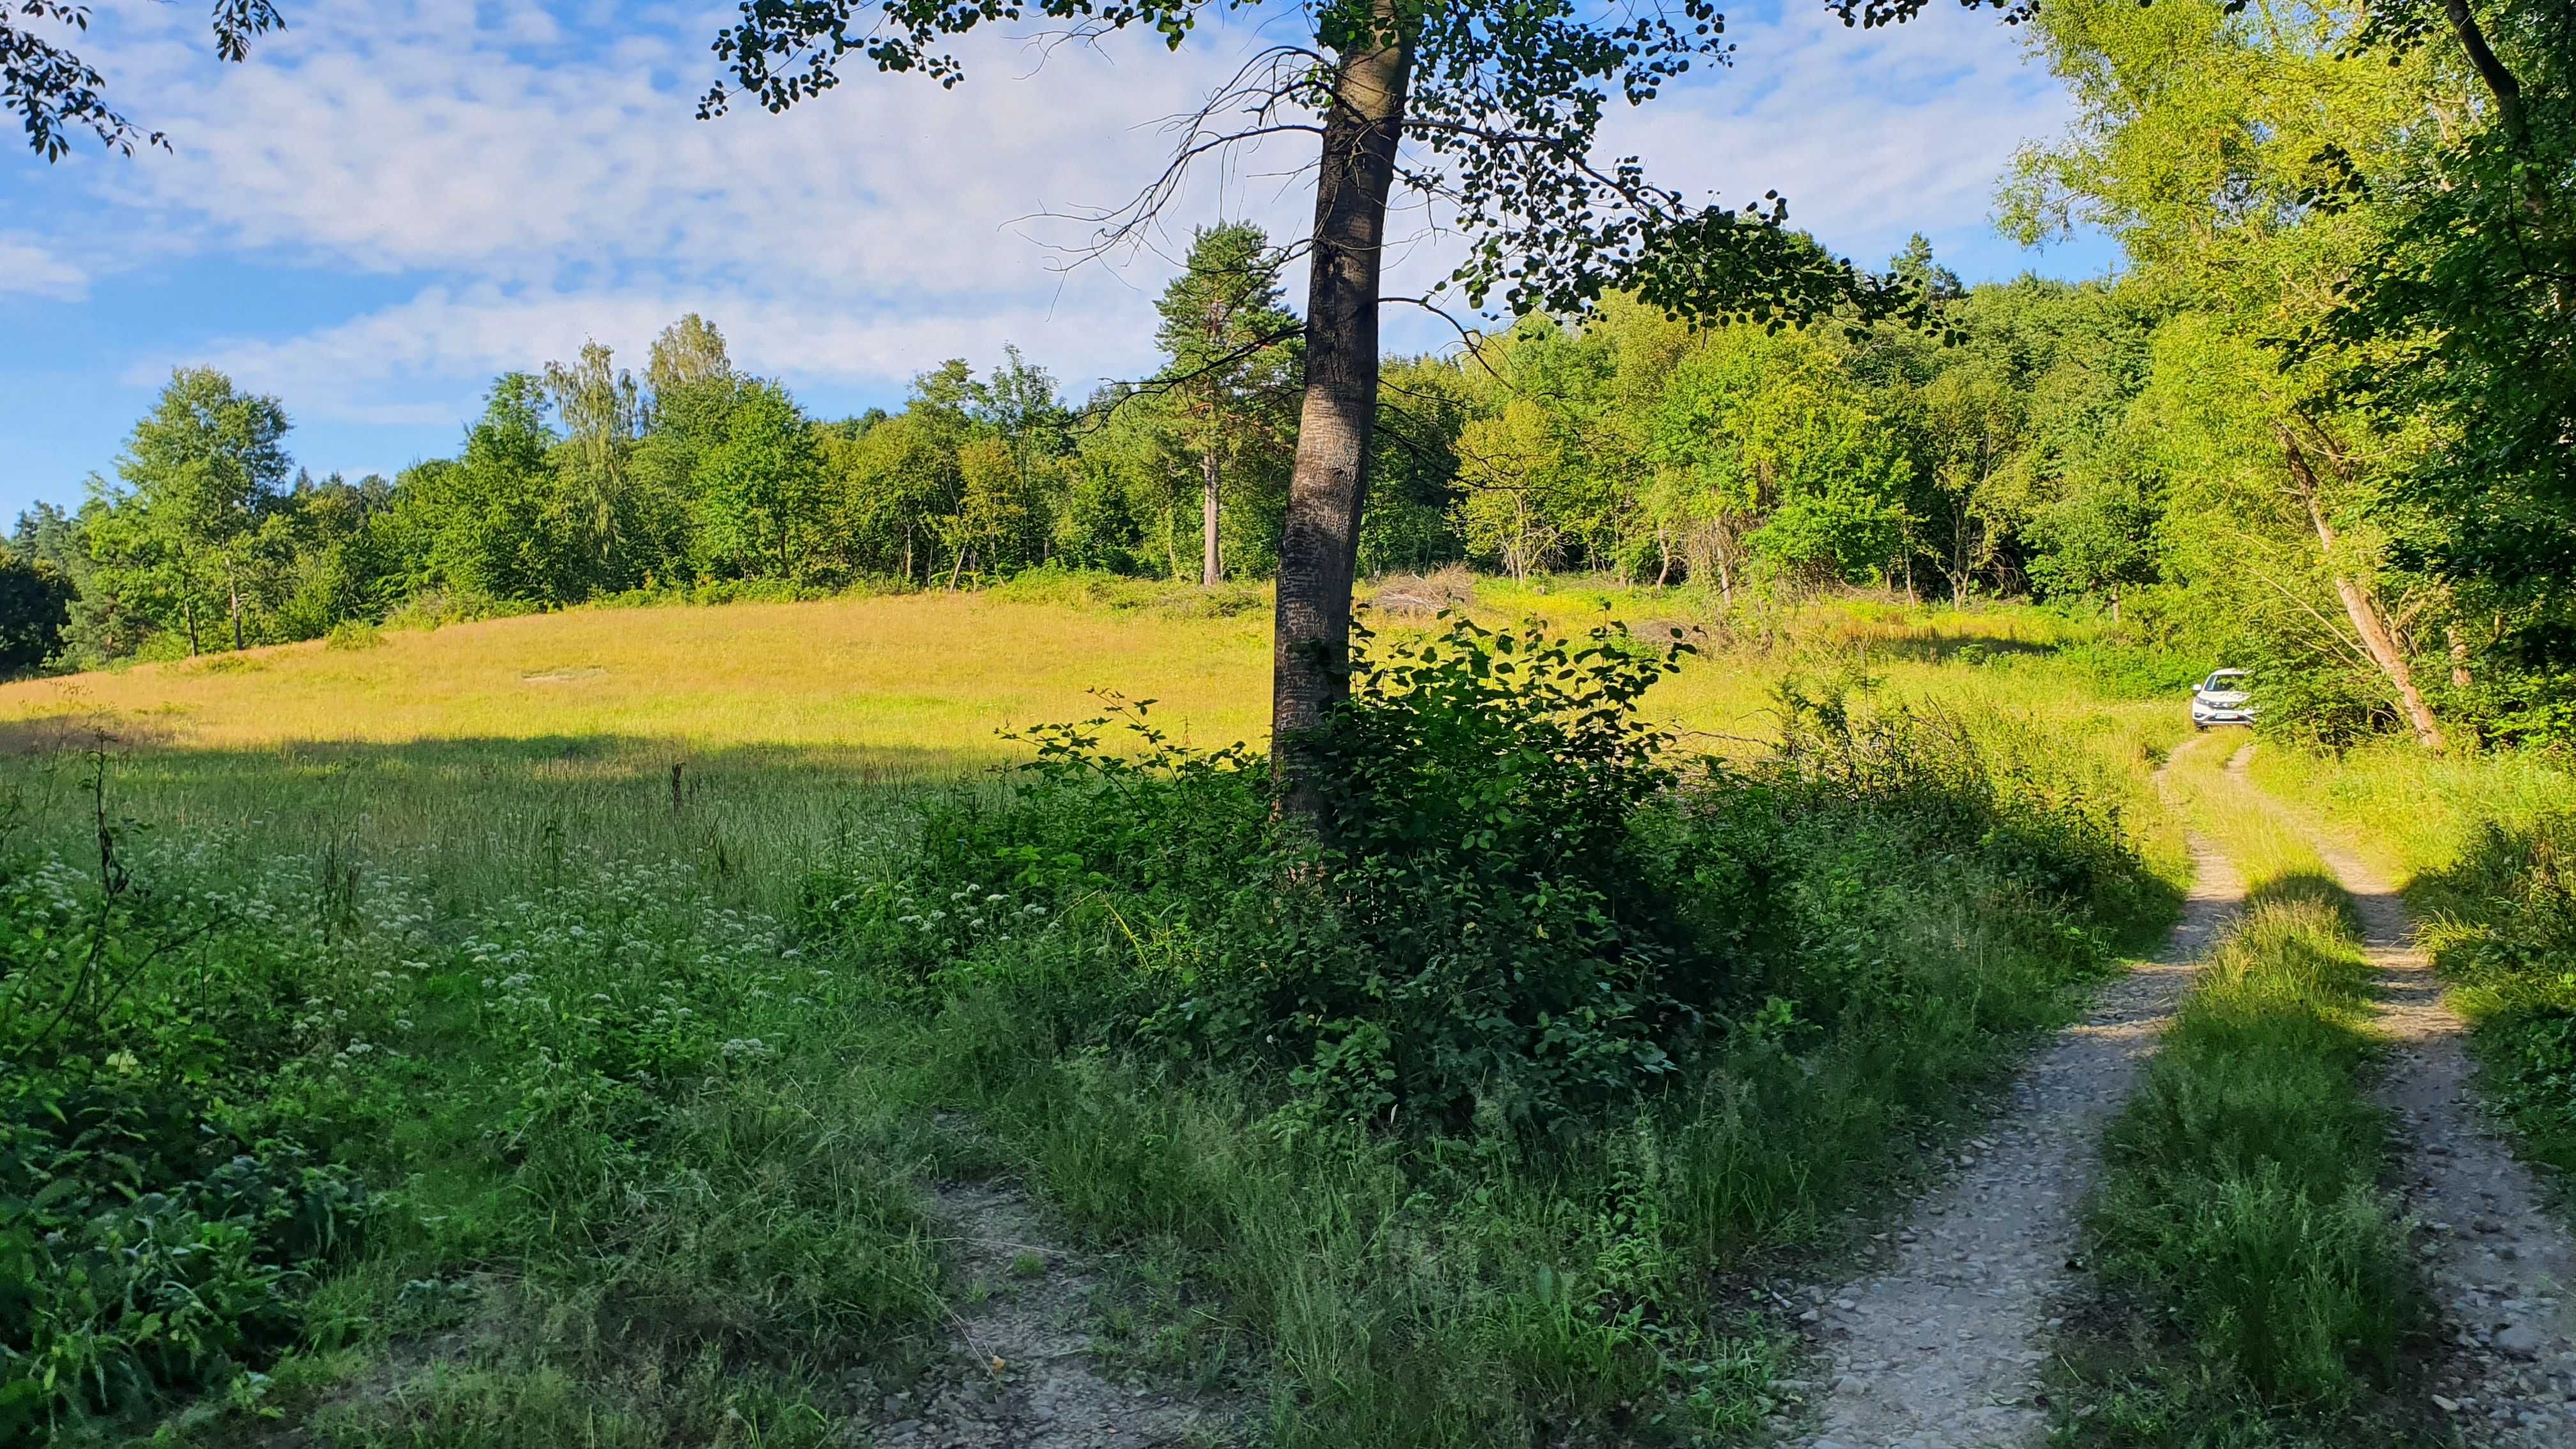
point(1940, 1345)
point(2499, 1261)
point(1023, 1375)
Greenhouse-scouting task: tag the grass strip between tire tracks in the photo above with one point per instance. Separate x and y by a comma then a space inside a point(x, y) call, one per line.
point(2255, 1283)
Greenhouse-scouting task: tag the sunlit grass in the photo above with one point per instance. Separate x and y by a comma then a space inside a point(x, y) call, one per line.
point(508, 790)
point(2416, 815)
point(470, 751)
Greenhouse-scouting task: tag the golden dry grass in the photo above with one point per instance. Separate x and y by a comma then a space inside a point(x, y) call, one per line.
point(931, 674)
point(476, 751)
point(926, 676)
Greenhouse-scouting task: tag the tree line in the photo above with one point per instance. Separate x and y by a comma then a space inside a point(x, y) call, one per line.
point(1629, 443)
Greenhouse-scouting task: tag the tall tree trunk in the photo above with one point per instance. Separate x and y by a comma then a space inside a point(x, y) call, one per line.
point(1211, 564)
point(1319, 546)
point(232, 597)
point(2459, 643)
point(2377, 639)
point(2500, 80)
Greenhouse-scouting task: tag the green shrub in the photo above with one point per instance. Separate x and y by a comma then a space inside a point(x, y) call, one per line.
point(354, 634)
point(1487, 919)
point(1523, 900)
point(2511, 940)
point(612, 1086)
point(156, 1237)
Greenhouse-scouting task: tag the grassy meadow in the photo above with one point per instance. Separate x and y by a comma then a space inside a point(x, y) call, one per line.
point(420, 1070)
point(473, 749)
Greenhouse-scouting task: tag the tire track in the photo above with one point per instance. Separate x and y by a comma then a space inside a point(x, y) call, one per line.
point(2499, 1262)
point(1941, 1346)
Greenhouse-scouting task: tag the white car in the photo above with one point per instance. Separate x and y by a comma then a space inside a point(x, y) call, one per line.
point(2223, 698)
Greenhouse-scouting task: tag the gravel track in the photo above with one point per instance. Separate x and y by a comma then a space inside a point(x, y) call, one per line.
point(2499, 1261)
point(1940, 1345)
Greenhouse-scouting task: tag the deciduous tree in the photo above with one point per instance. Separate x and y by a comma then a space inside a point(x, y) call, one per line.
point(1500, 104)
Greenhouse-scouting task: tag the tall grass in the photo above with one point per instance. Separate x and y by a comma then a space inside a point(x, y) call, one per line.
point(1482, 1287)
point(642, 1163)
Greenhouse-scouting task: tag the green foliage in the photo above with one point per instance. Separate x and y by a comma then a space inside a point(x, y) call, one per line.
point(757, 488)
point(35, 605)
point(1230, 388)
point(1381, 1132)
point(229, 1086)
point(1521, 902)
point(354, 634)
point(156, 1238)
point(2462, 312)
point(2510, 939)
point(191, 524)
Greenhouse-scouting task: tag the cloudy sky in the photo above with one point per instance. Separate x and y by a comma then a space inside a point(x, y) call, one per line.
point(397, 199)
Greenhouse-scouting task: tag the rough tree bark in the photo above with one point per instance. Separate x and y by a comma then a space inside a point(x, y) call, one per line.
point(2377, 639)
point(1319, 546)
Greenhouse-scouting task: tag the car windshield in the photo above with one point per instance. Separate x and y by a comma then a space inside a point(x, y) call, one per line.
point(2225, 681)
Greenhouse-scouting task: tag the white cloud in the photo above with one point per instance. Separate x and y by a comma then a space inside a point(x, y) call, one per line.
point(1871, 134)
point(525, 179)
point(355, 370)
point(371, 138)
point(29, 269)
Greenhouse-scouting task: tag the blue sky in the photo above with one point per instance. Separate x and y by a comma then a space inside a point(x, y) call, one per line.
point(399, 198)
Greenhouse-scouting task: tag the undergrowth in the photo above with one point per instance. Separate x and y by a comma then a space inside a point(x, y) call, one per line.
point(1450, 1123)
point(1448, 1128)
point(255, 1124)
point(2507, 940)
